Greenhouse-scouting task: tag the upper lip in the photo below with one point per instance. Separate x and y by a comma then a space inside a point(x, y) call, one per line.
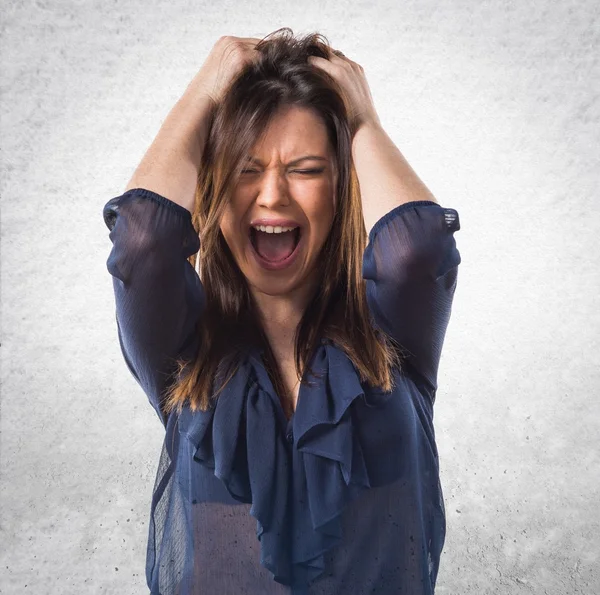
point(275, 222)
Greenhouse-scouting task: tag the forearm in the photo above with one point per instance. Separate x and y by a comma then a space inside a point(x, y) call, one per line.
point(170, 165)
point(386, 179)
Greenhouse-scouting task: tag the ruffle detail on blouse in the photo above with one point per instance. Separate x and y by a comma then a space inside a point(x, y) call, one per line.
point(297, 491)
point(331, 469)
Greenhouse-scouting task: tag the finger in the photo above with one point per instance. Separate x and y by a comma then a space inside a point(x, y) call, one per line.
point(250, 40)
point(326, 63)
point(319, 62)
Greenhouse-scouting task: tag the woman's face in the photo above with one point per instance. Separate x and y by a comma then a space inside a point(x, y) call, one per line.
point(276, 185)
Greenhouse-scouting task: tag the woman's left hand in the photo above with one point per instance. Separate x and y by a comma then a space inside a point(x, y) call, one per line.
point(351, 78)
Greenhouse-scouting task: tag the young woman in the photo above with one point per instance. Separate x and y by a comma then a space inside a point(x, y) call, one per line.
point(290, 352)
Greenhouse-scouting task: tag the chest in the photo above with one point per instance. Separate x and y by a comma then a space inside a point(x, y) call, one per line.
point(291, 382)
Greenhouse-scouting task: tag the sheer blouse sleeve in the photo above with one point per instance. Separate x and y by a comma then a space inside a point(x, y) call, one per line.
point(410, 266)
point(159, 296)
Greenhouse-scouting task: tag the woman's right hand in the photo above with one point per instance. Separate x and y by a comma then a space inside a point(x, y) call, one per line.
point(226, 59)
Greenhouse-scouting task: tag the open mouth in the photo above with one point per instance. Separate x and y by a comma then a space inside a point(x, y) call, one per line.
point(272, 247)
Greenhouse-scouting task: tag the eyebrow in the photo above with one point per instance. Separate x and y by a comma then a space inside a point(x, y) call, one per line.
point(294, 162)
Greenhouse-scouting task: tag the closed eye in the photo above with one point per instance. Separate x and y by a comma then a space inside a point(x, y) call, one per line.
point(299, 171)
point(309, 171)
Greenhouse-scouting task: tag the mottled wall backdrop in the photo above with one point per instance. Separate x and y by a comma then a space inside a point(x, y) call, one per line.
point(495, 105)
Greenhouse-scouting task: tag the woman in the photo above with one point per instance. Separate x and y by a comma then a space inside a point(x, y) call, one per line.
point(295, 371)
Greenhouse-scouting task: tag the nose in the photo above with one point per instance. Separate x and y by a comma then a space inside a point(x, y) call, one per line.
point(273, 190)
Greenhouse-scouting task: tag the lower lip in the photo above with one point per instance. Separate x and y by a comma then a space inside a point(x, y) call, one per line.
point(280, 264)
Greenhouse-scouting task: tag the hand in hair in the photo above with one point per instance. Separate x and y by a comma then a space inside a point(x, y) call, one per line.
point(352, 81)
point(227, 58)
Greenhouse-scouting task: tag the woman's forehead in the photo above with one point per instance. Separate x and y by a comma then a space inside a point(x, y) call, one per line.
point(295, 133)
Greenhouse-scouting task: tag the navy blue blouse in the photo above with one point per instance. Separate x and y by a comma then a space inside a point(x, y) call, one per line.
point(345, 496)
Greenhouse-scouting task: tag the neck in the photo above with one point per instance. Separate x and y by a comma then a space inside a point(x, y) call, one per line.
point(280, 315)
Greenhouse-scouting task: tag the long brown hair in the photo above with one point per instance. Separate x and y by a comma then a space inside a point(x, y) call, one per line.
point(280, 77)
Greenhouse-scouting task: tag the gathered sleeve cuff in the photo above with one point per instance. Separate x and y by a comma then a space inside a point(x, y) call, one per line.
point(410, 267)
point(158, 295)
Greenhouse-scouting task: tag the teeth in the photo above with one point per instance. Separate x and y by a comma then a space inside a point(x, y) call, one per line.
point(271, 229)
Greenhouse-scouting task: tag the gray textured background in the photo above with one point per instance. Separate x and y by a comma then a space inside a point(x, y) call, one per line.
point(495, 105)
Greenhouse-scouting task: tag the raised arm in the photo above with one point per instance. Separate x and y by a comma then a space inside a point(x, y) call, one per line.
point(158, 295)
point(171, 164)
point(411, 261)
